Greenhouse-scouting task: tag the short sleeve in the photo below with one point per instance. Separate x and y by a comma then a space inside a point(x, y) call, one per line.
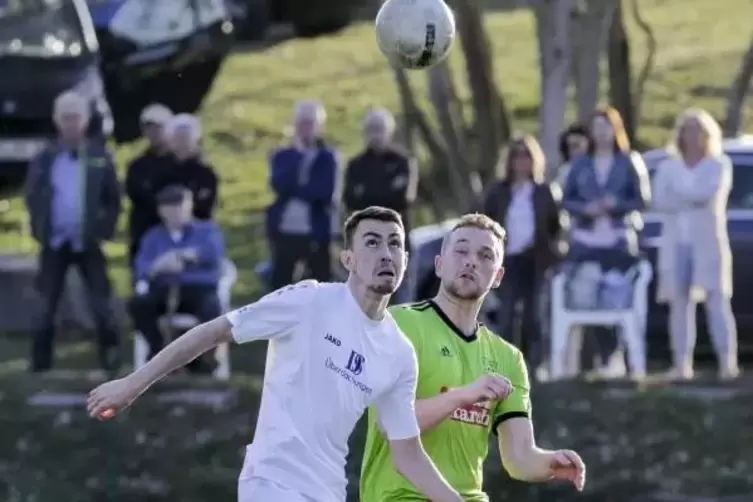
point(518, 403)
point(396, 408)
point(275, 315)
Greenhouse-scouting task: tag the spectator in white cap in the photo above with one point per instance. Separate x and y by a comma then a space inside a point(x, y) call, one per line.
point(73, 199)
point(383, 174)
point(188, 167)
point(303, 177)
point(144, 172)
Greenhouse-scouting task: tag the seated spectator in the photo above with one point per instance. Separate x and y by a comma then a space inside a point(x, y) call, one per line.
point(303, 176)
point(382, 175)
point(181, 257)
point(604, 193)
point(188, 167)
point(144, 172)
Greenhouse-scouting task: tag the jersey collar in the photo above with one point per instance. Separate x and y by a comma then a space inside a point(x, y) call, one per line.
point(466, 338)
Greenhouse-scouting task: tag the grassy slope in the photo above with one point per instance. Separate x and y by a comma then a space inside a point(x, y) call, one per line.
point(700, 45)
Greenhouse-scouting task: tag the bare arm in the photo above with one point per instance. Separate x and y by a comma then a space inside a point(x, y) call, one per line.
point(525, 461)
point(411, 461)
point(182, 351)
point(433, 411)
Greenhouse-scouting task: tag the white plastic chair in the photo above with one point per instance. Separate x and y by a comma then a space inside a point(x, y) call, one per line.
point(185, 322)
point(631, 324)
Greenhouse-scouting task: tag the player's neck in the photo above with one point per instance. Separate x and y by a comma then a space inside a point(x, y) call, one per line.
point(462, 313)
point(372, 304)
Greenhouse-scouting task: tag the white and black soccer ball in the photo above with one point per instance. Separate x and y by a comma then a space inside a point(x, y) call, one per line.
point(415, 34)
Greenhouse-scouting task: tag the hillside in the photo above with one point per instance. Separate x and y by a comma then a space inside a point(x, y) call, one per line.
point(700, 43)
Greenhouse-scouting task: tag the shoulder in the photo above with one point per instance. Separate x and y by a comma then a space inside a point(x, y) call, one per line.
point(153, 233)
point(721, 160)
point(279, 152)
point(505, 353)
point(206, 226)
point(410, 318)
point(582, 162)
point(329, 153)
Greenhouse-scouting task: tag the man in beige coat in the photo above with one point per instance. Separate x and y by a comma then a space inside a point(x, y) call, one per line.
point(691, 189)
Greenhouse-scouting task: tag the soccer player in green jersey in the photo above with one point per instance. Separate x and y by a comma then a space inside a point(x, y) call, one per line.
point(470, 382)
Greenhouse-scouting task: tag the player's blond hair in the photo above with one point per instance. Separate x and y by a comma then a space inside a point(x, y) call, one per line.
point(481, 222)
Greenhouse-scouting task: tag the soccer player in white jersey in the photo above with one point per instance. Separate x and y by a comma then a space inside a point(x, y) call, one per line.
point(334, 350)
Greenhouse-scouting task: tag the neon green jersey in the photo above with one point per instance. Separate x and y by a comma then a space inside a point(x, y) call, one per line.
point(458, 446)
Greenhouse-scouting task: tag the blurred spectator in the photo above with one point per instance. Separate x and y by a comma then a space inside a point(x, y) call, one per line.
point(604, 193)
point(382, 175)
point(573, 144)
point(300, 221)
point(73, 199)
point(691, 189)
point(188, 167)
point(527, 207)
point(144, 172)
point(180, 262)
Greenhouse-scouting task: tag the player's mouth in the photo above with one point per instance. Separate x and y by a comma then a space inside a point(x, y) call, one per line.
point(386, 273)
point(468, 276)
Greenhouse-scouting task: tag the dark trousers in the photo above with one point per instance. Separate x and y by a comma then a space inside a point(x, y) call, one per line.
point(199, 300)
point(518, 295)
point(92, 265)
point(289, 250)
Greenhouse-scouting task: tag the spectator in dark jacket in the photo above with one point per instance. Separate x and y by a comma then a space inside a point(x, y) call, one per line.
point(188, 167)
point(300, 221)
point(527, 206)
point(144, 172)
point(383, 175)
point(181, 257)
point(73, 199)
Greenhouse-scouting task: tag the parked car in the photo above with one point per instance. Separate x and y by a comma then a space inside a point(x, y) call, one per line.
point(166, 51)
point(45, 48)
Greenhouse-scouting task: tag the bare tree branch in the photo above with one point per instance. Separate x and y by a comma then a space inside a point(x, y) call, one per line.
point(652, 47)
point(737, 93)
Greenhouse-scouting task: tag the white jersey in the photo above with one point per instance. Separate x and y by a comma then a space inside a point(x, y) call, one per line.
point(327, 362)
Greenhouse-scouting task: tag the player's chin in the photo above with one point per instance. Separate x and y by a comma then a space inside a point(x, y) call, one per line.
point(384, 285)
point(465, 290)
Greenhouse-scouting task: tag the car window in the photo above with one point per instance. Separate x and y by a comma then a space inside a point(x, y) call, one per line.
point(741, 195)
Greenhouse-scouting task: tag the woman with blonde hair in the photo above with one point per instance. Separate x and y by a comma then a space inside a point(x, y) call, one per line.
point(691, 189)
point(527, 206)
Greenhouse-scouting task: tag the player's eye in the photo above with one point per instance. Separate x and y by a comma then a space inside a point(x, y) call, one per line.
point(371, 243)
point(461, 252)
point(396, 243)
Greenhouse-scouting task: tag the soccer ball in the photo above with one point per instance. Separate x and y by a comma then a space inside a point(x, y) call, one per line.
point(415, 34)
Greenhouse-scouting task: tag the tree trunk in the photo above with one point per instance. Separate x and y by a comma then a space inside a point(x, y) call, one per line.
point(737, 93)
point(491, 125)
point(652, 47)
point(620, 77)
point(590, 30)
point(449, 114)
point(553, 30)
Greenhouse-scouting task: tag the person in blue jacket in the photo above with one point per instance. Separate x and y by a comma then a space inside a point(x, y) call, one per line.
point(303, 177)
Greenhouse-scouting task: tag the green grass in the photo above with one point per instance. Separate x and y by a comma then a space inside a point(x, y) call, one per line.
point(635, 443)
point(246, 114)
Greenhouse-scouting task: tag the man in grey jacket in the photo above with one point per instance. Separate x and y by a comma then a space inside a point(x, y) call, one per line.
point(73, 199)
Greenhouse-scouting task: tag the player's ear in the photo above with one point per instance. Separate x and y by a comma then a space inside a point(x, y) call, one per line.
point(438, 265)
point(346, 258)
point(498, 277)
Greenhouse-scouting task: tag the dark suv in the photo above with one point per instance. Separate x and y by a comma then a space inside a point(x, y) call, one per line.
point(46, 47)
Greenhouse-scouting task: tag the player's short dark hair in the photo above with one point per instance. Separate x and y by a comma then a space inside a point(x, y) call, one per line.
point(480, 221)
point(377, 213)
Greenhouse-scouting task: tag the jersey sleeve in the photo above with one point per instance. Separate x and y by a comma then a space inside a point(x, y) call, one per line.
point(518, 403)
point(275, 315)
point(396, 408)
